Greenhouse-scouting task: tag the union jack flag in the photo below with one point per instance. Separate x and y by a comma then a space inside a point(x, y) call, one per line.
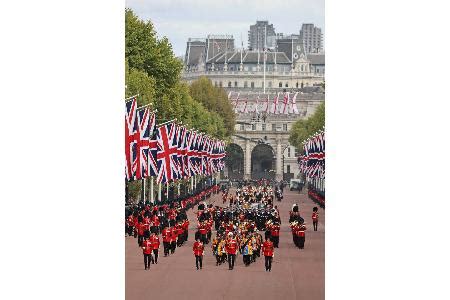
point(166, 136)
point(191, 153)
point(142, 138)
point(153, 148)
point(181, 146)
point(130, 143)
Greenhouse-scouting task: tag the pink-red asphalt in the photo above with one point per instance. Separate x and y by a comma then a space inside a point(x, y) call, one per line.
point(296, 274)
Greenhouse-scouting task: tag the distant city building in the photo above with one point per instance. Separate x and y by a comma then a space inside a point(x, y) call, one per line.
point(262, 138)
point(291, 45)
point(195, 52)
point(311, 37)
point(260, 33)
point(218, 43)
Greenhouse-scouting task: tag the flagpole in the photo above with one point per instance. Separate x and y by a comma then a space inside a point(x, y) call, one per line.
point(159, 192)
point(130, 98)
point(152, 200)
point(265, 50)
point(173, 120)
point(143, 190)
point(167, 191)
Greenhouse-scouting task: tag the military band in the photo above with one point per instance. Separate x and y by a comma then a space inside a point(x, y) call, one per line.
point(237, 226)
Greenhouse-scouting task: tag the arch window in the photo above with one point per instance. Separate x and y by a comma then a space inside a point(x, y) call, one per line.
point(245, 84)
point(229, 83)
point(252, 84)
point(280, 84)
point(220, 83)
point(235, 84)
point(286, 85)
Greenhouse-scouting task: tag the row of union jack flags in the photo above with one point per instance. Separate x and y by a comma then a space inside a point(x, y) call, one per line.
point(313, 162)
point(282, 103)
point(169, 151)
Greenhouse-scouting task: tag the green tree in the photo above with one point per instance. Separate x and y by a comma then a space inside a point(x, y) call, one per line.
point(214, 99)
point(138, 82)
point(303, 129)
point(146, 53)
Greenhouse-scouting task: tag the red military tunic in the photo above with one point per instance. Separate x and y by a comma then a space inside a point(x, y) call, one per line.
point(267, 248)
point(154, 239)
point(140, 228)
point(186, 225)
point(198, 248)
point(130, 221)
point(301, 231)
point(166, 235)
point(315, 217)
point(231, 246)
point(173, 234)
point(147, 247)
point(275, 230)
point(202, 229)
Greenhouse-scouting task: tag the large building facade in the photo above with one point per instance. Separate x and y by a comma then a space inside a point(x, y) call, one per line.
point(253, 79)
point(311, 37)
point(261, 35)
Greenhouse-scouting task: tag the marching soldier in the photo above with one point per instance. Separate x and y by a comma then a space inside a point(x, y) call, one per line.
point(130, 225)
point(140, 231)
point(268, 252)
point(315, 217)
point(275, 234)
point(301, 235)
point(154, 239)
point(147, 248)
point(173, 239)
point(166, 234)
point(231, 248)
point(203, 232)
point(198, 249)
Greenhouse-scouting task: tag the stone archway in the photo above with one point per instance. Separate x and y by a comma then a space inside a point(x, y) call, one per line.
point(263, 162)
point(234, 161)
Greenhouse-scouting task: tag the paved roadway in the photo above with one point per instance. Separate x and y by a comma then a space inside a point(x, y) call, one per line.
point(296, 274)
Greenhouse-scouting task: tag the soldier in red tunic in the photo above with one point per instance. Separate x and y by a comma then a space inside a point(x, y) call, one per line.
point(198, 249)
point(173, 239)
point(130, 225)
point(203, 231)
point(268, 252)
point(166, 233)
point(147, 248)
point(231, 248)
point(154, 239)
point(140, 231)
point(275, 234)
point(301, 235)
point(315, 218)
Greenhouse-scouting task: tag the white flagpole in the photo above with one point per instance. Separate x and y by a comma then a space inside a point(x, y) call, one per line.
point(167, 190)
point(152, 200)
point(159, 192)
point(264, 53)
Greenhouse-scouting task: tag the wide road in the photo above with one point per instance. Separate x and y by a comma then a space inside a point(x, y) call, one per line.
point(296, 274)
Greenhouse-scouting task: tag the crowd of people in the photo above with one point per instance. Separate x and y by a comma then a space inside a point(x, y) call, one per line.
point(249, 211)
point(237, 225)
point(146, 222)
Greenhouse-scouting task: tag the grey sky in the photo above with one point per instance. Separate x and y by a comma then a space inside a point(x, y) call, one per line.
point(182, 19)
